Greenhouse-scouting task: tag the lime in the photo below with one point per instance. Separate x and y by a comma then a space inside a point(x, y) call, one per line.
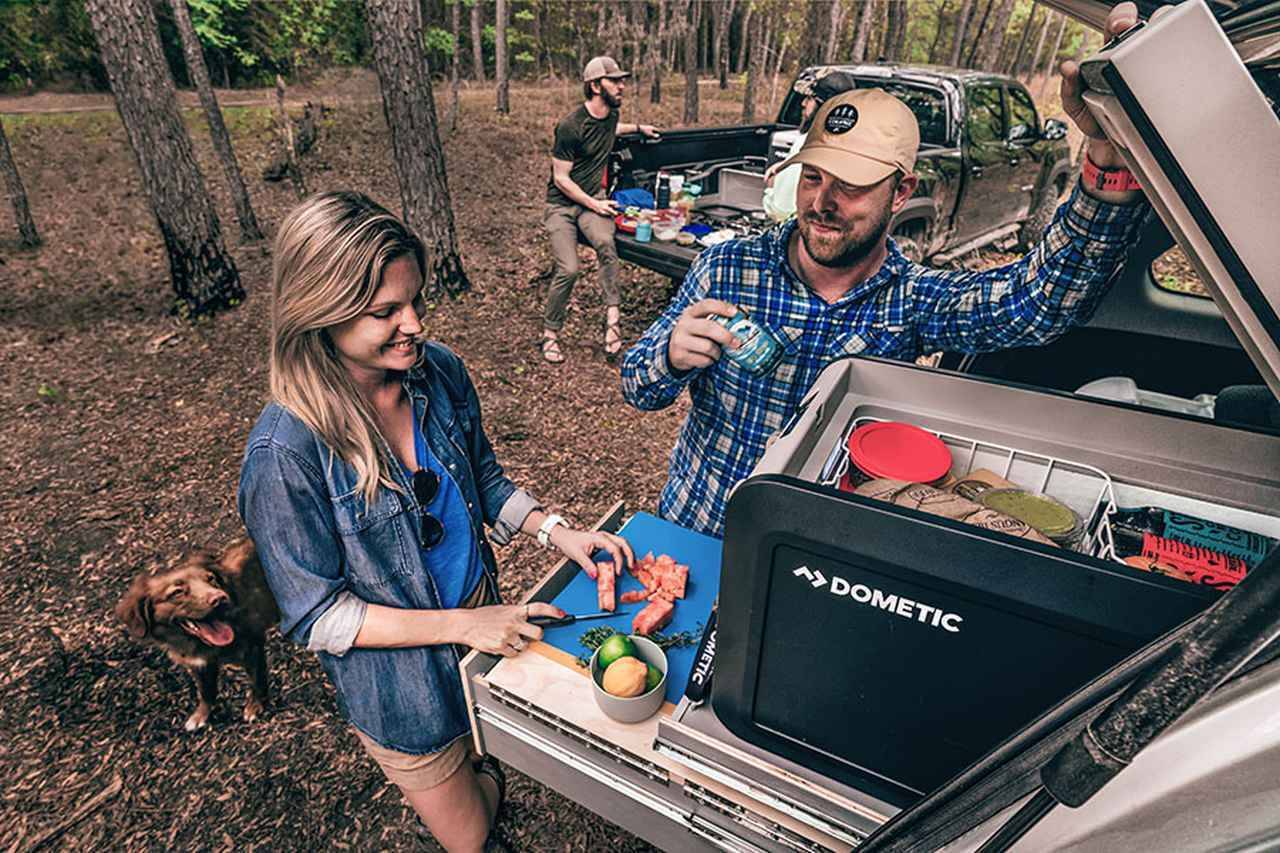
point(617, 646)
point(652, 679)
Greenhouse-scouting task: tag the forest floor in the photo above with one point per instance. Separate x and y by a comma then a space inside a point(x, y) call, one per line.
point(123, 444)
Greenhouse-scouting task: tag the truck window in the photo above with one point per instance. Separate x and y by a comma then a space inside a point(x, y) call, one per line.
point(927, 104)
point(1174, 273)
point(1023, 123)
point(986, 114)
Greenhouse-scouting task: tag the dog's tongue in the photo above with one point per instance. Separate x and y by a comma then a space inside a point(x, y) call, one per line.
point(215, 632)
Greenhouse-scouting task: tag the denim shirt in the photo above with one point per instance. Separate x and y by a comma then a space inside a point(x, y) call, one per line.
point(320, 544)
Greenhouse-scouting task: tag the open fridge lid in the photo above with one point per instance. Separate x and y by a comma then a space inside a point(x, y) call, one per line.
point(1204, 141)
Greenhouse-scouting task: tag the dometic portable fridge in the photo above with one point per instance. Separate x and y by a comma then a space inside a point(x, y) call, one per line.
point(867, 653)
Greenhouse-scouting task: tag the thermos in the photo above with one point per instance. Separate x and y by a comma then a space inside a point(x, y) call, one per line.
point(662, 194)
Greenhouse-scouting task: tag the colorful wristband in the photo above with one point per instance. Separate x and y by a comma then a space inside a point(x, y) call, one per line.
point(1111, 180)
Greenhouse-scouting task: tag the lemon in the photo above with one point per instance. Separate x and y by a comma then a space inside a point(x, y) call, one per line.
point(625, 677)
point(617, 646)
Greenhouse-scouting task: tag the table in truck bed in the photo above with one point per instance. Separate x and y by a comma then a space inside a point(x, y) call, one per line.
point(537, 713)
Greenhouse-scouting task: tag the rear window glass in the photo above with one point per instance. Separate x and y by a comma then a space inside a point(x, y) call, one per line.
point(986, 114)
point(927, 104)
point(1174, 273)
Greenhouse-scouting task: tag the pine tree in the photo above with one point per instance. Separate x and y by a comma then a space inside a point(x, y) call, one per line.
point(410, 110)
point(204, 275)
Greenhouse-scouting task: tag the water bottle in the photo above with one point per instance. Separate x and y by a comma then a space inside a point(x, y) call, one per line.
point(662, 196)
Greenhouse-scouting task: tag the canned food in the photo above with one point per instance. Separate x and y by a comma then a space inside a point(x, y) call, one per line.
point(759, 350)
point(1051, 517)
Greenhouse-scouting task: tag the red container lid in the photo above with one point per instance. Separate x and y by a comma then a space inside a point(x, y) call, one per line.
point(899, 451)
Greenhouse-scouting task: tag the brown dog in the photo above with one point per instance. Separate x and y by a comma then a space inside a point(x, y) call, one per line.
point(212, 609)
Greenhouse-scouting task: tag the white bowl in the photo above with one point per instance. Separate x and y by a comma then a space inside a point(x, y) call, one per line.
point(635, 708)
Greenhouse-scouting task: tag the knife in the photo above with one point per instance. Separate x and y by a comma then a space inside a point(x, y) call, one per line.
point(570, 618)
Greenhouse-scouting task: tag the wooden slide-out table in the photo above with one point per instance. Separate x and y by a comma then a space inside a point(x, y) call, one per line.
point(536, 713)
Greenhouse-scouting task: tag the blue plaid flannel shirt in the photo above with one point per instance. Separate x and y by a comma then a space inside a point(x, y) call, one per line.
point(901, 312)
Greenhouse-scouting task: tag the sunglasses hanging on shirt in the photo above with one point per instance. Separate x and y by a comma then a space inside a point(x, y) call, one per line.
point(425, 486)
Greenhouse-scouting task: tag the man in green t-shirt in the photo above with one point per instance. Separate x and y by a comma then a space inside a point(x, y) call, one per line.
point(576, 199)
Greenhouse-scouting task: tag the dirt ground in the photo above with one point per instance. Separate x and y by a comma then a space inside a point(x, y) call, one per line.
point(122, 450)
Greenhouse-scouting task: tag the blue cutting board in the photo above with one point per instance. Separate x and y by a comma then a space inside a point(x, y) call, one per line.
point(647, 533)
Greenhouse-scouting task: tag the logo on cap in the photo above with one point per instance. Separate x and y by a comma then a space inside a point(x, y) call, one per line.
point(842, 119)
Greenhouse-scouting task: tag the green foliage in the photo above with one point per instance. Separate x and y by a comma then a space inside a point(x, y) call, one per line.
point(437, 40)
point(209, 18)
point(43, 40)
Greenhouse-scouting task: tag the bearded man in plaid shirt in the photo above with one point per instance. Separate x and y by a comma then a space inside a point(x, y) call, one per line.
point(831, 283)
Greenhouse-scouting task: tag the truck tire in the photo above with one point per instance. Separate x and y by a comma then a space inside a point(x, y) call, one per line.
point(910, 239)
point(1041, 214)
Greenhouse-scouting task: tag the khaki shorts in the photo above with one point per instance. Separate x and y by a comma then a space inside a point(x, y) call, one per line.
point(423, 772)
point(418, 772)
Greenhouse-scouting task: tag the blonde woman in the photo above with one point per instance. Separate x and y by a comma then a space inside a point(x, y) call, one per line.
point(366, 485)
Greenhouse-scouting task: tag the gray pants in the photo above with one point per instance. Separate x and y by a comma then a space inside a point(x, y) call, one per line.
point(563, 222)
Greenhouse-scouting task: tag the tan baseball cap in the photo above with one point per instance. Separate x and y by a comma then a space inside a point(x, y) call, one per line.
point(603, 66)
point(862, 137)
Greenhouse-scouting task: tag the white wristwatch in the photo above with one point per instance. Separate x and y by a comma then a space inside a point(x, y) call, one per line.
point(544, 529)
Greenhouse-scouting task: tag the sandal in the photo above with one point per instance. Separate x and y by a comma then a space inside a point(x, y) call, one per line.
point(551, 349)
point(614, 346)
point(489, 766)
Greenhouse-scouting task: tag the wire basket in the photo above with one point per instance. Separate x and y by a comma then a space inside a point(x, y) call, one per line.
point(1085, 489)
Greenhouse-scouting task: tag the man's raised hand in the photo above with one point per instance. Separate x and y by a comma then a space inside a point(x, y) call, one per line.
point(697, 339)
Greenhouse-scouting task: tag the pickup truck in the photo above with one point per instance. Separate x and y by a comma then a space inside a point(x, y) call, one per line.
point(888, 679)
point(989, 169)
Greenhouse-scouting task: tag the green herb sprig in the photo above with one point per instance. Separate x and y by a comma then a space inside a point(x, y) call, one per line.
point(594, 637)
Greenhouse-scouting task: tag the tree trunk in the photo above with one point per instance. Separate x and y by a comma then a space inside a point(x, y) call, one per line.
point(395, 27)
point(744, 43)
point(292, 166)
point(755, 58)
point(614, 31)
point(940, 27)
point(724, 17)
point(655, 54)
point(501, 69)
point(637, 26)
point(988, 57)
point(834, 32)
point(976, 40)
point(862, 33)
point(879, 29)
point(199, 74)
point(29, 238)
point(962, 25)
point(477, 41)
point(455, 21)
point(692, 10)
point(1035, 57)
point(1052, 59)
point(204, 274)
point(895, 32)
point(1011, 68)
point(814, 36)
point(546, 44)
